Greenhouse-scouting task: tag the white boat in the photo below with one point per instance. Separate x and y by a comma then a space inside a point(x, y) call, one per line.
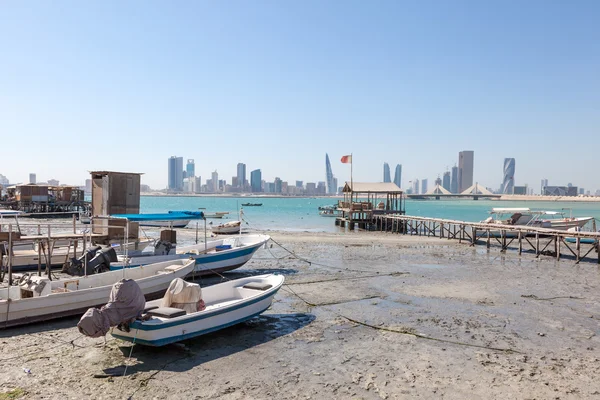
point(330, 212)
point(227, 304)
point(42, 299)
point(217, 215)
point(540, 219)
point(227, 228)
point(215, 256)
point(26, 257)
point(166, 224)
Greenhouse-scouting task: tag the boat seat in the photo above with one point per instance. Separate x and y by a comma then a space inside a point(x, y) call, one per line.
point(149, 308)
point(166, 312)
point(257, 286)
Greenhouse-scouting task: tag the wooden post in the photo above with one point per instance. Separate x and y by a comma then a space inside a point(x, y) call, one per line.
point(558, 240)
point(503, 239)
point(537, 244)
point(39, 257)
point(556, 245)
point(578, 247)
point(473, 236)
point(488, 238)
point(520, 242)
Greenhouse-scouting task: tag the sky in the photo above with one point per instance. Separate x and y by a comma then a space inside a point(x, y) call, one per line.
point(124, 85)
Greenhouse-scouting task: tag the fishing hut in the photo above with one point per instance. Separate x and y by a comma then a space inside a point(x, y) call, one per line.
point(115, 193)
point(364, 201)
point(45, 200)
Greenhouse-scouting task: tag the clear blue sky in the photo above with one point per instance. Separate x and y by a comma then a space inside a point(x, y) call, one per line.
point(116, 85)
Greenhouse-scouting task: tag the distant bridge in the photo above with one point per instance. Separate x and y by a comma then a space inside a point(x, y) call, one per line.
point(438, 192)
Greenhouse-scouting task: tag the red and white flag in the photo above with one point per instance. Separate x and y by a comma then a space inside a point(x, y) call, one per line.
point(347, 159)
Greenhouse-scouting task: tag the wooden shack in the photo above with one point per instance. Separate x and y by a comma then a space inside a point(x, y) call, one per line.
point(115, 193)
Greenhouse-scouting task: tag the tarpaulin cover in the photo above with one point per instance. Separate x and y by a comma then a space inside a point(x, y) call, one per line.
point(183, 295)
point(125, 304)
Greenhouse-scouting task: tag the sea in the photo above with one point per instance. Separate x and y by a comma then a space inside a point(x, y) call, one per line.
point(301, 214)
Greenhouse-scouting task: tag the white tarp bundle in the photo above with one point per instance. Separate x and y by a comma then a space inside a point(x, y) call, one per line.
point(184, 295)
point(125, 304)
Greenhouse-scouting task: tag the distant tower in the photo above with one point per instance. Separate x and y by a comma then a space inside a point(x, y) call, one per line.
point(386, 172)
point(190, 169)
point(398, 175)
point(446, 181)
point(241, 175)
point(454, 180)
point(329, 183)
point(465, 170)
point(32, 178)
point(176, 174)
point(256, 181)
point(215, 181)
point(508, 183)
point(415, 188)
point(423, 186)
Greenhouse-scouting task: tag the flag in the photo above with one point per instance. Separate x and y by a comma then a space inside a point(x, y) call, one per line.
point(346, 159)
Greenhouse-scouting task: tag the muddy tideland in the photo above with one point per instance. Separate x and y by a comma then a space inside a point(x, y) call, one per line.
point(362, 315)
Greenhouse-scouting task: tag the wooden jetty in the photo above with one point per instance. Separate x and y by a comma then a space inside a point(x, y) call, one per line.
point(539, 240)
point(363, 201)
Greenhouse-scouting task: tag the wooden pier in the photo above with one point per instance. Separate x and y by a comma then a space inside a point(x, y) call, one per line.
point(542, 241)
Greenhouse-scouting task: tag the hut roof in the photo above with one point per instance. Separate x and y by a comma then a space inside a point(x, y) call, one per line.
point(377, 187)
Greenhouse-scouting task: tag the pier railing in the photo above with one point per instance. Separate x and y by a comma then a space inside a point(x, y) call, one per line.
point(541, 240)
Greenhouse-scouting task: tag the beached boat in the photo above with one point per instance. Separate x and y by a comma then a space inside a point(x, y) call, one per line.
point(251, 204)
point(216, 215)
point(27, 256)
point(227, 304)
point(39, 299)
point(214, 256)
point(540, 219)
point(227, 228)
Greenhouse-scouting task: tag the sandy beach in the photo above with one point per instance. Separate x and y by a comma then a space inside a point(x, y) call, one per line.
point(372, 316)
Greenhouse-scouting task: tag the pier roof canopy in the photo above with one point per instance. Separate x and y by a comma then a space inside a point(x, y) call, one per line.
point(377, 187)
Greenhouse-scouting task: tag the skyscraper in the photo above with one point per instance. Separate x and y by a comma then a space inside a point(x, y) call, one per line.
point(256, 181)
point(465, 170)
point(446, 181)
point(423, 186)
point(386, 172)
point(415, 187)
point(398, 175)
point(32, 178)
point(190, 169)
point(176, 174)
point(329, 184)
point(277, 183)
point(454, 180)
point(215, 181)
point(544, 184)
point(241, 175)
point(508, 183)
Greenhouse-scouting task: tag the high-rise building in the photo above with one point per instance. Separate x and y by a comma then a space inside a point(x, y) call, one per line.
point(32, 178)
point(398, 175)
point(321, 188)
point(415, 186)
point(215, 181)
point(175, 174)
point(299, 184)
point(386, 172)
point(335, 186)
point(508, 183)
point(190, 169)
point(241, 175)
point(544, 184)
point(330, 187)
point(256, 181)
point(277, 184)
point(311, 188)
point(446, 181)
point(465, 170)
point(454, 180)
point(88, 186)
point(423, 186)
point(4, 180)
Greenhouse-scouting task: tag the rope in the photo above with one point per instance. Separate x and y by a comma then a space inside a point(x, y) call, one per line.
point(129, 358)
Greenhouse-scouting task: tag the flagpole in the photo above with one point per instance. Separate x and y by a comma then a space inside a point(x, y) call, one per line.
point(351, 182)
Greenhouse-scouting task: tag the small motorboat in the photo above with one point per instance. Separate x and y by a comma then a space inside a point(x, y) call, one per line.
point(216, 215)
point(227, 228)
point(226, 304)
point(37, 298)
point(251, 204)
point(541, 219)
point(330, 213)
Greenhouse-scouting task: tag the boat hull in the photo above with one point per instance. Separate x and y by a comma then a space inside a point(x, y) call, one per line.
point(200, 323)
point(22, 311)
point(166, 224)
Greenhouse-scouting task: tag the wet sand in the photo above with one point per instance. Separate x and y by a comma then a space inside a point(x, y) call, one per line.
point(372, 316)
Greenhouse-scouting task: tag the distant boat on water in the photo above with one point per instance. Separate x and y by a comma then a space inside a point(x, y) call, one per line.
point(251, 204)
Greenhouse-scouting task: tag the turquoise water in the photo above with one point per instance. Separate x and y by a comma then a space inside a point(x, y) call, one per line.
point(301, 214)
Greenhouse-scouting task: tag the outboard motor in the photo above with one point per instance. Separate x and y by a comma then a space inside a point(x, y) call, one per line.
point(98, 260)
point(163, 248)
